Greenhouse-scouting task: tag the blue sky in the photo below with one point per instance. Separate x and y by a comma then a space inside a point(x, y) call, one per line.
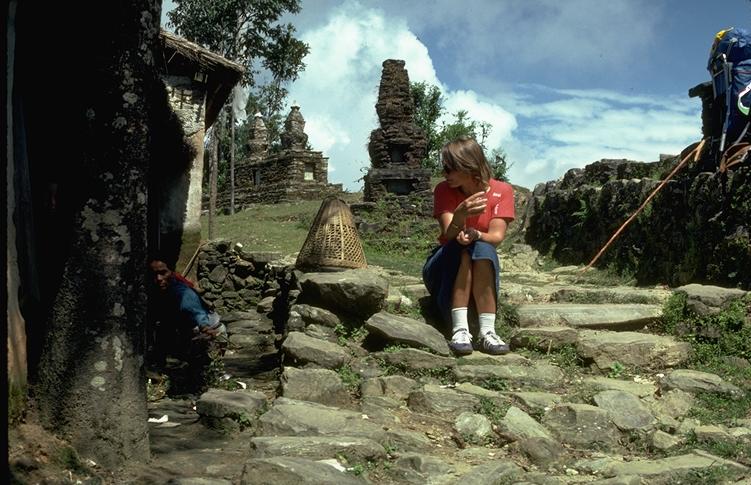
point(564, 83)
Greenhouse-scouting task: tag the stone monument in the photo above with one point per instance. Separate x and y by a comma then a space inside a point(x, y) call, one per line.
point(398, 145)
point(293, 173)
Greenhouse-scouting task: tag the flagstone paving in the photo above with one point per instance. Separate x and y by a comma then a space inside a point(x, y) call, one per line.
point(588, 395)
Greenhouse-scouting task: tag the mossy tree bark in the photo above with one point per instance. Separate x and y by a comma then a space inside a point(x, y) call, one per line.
point(91, 387)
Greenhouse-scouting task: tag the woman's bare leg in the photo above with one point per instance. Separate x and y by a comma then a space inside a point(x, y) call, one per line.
point(461, 340)
point(483, 291)
point(462, 283)
point(483, 286)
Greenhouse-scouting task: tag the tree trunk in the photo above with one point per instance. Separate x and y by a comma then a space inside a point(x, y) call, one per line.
point(232, 155)
point(213, 178)
point(92, 386)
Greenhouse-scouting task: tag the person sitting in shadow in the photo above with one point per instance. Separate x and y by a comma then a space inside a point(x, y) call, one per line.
point(182, 326)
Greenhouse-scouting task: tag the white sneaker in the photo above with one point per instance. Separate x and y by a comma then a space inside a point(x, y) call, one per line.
point(490, 343)
point(461, 342)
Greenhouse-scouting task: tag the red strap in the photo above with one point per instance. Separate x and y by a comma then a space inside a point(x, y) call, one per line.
point(182, 278)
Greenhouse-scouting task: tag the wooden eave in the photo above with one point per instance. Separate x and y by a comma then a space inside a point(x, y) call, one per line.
point(182, 57)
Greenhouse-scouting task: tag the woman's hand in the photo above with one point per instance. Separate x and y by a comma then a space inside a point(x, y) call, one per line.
point(471, 206)
point(467, 236)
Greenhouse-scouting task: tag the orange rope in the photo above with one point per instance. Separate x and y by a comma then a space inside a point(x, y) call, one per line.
point(734, 155)
point(696, 152)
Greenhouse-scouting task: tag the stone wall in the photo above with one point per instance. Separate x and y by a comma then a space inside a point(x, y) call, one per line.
point(281, 178)
point(697, 228)
point(179, 196)
point(231, 278)
point(294, 173)
point(197, 82)
point(399, 181)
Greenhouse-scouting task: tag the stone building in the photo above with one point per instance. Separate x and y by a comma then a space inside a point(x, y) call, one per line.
point(294, 173)
point(398, 145)
point(198, 83)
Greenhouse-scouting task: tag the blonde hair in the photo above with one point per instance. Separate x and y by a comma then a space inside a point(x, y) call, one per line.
point(466, 155)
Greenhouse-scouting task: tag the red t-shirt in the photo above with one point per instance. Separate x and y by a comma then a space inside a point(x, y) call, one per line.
point(500, 204)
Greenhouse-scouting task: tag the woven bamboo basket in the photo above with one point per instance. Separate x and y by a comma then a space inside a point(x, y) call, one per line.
point(333, 242)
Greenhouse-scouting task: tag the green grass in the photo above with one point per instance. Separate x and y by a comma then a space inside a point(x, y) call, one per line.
point(16, 402)
point(67, 458)
point(403, 244)
point(444, 375)
point(720, 409)
point(608, 276)
point(350, 378)
point(407, 263)
point(492, 410)
point(403, 241)
point(735, 450)
point(280, 227)
point(283, 228)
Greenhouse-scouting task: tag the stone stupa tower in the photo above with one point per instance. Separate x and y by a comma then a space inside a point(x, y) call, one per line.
point(398, 146)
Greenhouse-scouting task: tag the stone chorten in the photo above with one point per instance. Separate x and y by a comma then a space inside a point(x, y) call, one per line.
point(398, 146)
point(258, 141)
point(294, 136)
point(293, 173)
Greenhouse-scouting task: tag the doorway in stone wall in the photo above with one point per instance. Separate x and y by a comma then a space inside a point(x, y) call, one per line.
point(399, 186)
point(398, 153)
point(309, 174)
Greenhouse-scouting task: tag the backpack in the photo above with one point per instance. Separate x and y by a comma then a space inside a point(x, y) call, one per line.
point(730, 68)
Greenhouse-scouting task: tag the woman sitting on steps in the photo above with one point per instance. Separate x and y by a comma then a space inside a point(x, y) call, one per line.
point(473, 211)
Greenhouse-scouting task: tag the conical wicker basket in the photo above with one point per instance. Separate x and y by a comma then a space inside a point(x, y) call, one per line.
point(333, 242)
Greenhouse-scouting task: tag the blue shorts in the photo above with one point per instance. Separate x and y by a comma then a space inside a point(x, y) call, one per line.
point(439, 272)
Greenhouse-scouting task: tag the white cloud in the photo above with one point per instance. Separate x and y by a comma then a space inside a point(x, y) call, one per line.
point(503, 122)
point(338, 90)
point(544, 130)
point(485, 48)
point(326, 131)
point(538, 39)
point(586, 126)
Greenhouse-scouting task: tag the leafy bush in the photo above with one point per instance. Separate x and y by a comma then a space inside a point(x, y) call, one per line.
point(492, 410)
point(714, 338)
point(399, 239)
point(350, 378)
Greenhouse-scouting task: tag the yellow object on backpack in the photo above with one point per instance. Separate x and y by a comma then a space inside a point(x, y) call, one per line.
point(717, 38)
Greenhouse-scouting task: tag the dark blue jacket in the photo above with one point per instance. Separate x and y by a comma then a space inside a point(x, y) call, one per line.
point(186, 305)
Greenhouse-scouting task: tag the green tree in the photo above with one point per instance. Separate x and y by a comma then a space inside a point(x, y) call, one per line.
point(499, 164)
point(429, 108)
point(463, 125)
point(428, 103)
point(259, 102)
point(247, 32)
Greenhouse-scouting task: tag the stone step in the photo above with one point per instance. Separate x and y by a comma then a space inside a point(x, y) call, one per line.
point(610, 295)
point(619, 317)
point(632, 349)
point(413, 291)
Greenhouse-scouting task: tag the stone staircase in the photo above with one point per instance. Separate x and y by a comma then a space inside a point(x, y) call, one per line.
point(347, 393)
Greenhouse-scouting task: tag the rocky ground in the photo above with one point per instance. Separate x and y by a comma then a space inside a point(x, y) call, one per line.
point(592, 393)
